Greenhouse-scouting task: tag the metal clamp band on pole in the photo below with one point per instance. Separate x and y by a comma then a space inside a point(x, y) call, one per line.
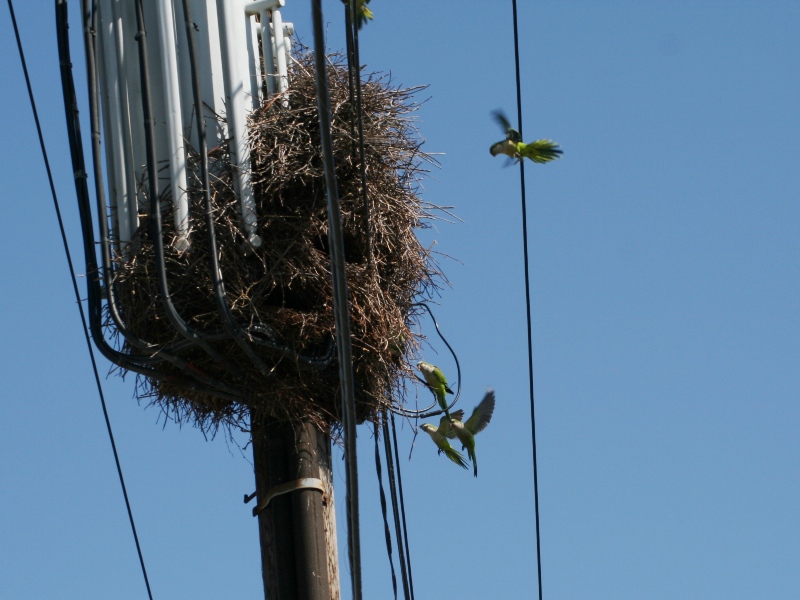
point(307, 483)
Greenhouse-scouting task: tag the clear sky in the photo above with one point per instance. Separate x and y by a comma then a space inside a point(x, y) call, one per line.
point(665, 264)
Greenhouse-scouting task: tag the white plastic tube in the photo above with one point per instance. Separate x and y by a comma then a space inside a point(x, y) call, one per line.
point(262, 9)
point(269, 54)
point(251, 30)
point(172, 100)
point(115, 163)
point(280, 51)
point(128, 216)
point(231, 27)
point(130, 104)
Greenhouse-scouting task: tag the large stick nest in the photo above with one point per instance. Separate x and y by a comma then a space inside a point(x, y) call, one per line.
point(285, 284)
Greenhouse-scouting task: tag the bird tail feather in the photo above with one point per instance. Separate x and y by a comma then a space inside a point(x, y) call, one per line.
point(541, 151)
point(456, 457)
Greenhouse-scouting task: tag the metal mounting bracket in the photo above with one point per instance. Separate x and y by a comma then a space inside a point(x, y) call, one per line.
point(307, 483)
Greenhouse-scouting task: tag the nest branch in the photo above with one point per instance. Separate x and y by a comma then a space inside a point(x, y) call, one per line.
point(285, 284)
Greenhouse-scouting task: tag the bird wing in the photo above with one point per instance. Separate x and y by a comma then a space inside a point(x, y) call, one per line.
point(502, 120)
point(540, 151)
point(511, 133)
point(444, 426)
point(440, 378)
point(431, 374)
point(444, 423)
point(482, 414)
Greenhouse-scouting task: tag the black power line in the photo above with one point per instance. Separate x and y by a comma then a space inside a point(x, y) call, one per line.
point(77, 294)
point(427, 412)
point(402, 507)
point(398, 505)
point(352, 25)
point(340, 303)
point(528, 304)
point(398, 527)
point(354, 70)
point(387, 534)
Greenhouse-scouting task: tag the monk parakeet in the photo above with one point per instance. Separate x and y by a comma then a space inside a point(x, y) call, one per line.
point(437, 382)
point(540, 151)
point(397, 346)
point(440, 434)
point(477, 422)
point(363, 13)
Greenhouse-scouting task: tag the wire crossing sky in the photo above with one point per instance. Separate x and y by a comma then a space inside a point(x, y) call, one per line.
point(526, 265)
point(71, 267)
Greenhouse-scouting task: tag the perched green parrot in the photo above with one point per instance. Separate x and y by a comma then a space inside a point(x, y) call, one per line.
point(437, 383)
point(540, 151)
point(364, 14)
point(397, 346)
point(440, 434)
point(477, 422)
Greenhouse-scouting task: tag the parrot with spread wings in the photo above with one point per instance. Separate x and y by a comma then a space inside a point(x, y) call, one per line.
point(540, 151)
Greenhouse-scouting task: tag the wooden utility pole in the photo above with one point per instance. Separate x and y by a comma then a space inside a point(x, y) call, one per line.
point(297, 528)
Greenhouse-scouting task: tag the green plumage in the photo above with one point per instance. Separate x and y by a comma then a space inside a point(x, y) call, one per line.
point(363, 14)
point(437, 383)
point(540, 151)
point(476, 423)
point(440, 434)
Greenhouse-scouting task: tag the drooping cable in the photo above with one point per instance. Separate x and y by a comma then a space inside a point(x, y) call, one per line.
point(395, 506)
point(145, 364)
point(402, 506)
point(78, 297)
point(223, 310)
point(340, 300)
point(178, 323)
point(527, 302)
point(387, 534)
point(426, 412)
point(213, 385)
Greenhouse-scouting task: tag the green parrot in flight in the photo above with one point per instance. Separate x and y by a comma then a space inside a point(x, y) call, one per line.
point(364, 14)
point(540, 151)
point(440, 434)
point(477, 422)
point(437, 383)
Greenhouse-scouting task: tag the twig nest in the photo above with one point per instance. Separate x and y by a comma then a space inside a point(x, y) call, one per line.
point(281, 292)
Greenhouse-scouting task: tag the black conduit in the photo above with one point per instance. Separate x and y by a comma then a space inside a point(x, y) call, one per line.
point(423, 414)
point(402, 506)
point(155, 202)
point(340, 300)
point(228, 321)
point(133, 363)
point(90, 32)
point(395, 508)
point(354, 71)
point(387, 534)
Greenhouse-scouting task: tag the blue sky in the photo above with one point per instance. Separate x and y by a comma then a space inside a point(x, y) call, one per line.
point(665, 271)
